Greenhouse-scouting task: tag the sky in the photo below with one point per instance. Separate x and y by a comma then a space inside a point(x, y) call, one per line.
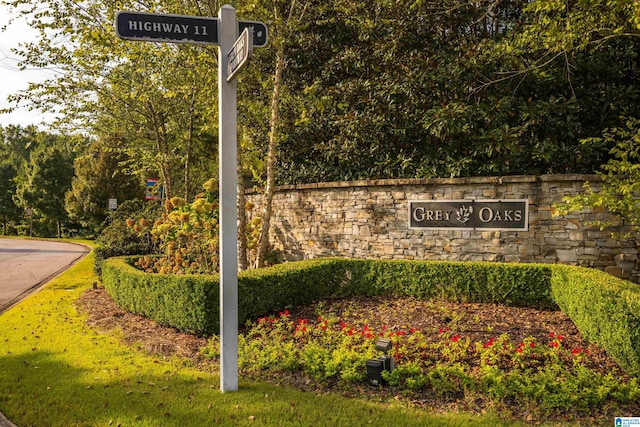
point(12, 79)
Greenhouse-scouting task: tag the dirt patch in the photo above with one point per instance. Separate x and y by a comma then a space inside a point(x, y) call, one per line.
point(105, 315)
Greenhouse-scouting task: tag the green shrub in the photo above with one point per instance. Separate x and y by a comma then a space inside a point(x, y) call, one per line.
point(605, 309)
point(118, 239)
point(187, 302)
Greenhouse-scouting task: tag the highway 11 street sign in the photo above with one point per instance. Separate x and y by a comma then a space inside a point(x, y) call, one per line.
point(154, 27)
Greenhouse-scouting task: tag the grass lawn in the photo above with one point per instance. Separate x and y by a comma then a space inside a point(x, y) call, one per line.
point(56, 371)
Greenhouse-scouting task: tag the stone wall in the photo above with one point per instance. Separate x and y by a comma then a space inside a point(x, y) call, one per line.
point(369, 219)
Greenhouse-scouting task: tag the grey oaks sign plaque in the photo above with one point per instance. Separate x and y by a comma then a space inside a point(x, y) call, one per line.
point(508, 215)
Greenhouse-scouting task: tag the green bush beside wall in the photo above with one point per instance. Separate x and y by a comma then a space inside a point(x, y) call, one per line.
point(606, 310)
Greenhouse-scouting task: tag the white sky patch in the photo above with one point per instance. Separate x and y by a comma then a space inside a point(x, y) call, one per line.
point(12, 79)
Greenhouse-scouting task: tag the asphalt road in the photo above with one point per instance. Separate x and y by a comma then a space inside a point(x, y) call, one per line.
point(26, 265)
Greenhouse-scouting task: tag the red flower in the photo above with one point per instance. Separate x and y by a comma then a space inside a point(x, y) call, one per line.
point(455, 338)
point(532, 345)
point(489, 343)
point(350, 332)
point(551, 334)
point(519, 350)
point(560, 337)
point(554, 344)
point(412, 330)
point(576, 351)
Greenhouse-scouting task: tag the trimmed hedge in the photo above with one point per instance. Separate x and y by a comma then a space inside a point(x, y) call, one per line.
point(606, 310)
point(188, 303)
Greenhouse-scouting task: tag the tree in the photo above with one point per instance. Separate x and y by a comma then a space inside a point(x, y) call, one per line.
point(9, 212)
point(287, 18)
point(594, 38)
point(619, 190)
point(454, 88)
point(16, 142)
point(99, 176)
point(157, 97)
point(41, 183)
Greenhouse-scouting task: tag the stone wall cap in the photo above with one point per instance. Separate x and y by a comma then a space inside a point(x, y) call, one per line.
point(570, 177)
point(438, 181)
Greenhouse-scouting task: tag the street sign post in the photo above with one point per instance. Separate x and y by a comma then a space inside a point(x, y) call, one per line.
point(228, 193)
point(233, 54)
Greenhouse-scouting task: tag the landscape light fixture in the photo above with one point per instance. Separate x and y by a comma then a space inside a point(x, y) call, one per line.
point(384, 345)
point(383, 363)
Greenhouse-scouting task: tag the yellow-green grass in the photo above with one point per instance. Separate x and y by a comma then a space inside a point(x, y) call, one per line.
point(57, 371)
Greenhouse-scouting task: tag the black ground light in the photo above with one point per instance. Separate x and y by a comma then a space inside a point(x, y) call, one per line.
point(383, 363)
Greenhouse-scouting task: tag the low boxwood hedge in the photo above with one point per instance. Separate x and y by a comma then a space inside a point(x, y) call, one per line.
point(606, 310)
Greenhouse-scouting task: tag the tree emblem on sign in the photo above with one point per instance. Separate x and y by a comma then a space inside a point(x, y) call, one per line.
point(464, 214)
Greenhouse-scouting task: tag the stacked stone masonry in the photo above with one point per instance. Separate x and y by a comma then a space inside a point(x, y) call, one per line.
point(369, 219)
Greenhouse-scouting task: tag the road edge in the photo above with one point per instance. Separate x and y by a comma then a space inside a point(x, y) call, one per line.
point(35, 288)
point(4, 421)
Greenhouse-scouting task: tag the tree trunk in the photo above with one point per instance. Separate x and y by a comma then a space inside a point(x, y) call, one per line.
point(243, 262)
point(263, 241)
point(187, 156)
point(166, 166)
point(159, 128)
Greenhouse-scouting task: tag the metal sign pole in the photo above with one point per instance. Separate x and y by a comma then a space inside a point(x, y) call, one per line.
point(227, 95)
point(223, 31)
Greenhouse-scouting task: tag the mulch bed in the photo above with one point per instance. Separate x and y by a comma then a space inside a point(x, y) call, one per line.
point(105, 315)
point(479, 322)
